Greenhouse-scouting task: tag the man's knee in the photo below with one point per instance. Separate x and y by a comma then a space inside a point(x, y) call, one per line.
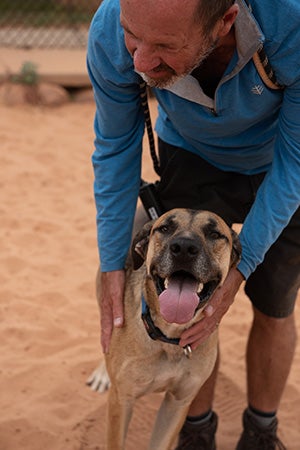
point(283, 326)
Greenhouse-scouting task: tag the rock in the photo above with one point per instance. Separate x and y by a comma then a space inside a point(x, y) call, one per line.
point(13, 94)
point(51, 94)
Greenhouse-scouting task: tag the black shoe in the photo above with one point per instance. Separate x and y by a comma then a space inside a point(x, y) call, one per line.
point(255, 437)
point(198, 437)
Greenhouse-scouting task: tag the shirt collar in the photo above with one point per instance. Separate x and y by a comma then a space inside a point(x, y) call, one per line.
point(249, 37)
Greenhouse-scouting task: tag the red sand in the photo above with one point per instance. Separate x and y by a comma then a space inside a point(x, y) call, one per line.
point(49, 317)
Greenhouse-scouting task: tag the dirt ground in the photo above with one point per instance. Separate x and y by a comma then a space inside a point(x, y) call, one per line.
point(49, 319)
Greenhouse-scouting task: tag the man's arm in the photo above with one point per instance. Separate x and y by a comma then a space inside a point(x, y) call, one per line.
point(110, 297)
point(119, 128)
point(278, 197)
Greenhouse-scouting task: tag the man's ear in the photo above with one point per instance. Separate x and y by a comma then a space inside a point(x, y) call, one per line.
point(225, 24)
point(236, 251)
point(139, 245)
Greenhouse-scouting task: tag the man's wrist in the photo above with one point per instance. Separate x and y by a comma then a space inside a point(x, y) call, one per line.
point(240, 275)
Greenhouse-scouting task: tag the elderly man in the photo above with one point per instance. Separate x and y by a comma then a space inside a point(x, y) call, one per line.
point(227, 143)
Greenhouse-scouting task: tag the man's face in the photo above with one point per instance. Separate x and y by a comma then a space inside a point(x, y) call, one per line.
point(164, 39)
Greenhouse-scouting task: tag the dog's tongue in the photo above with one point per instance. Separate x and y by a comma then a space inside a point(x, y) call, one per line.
point(180, 300)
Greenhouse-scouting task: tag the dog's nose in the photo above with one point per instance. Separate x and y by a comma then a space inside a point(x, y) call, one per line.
point(184, 247)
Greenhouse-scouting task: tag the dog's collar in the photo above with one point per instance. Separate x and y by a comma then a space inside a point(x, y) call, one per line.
point(155, 333)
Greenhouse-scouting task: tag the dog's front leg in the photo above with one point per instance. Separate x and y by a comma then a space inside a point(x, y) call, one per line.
point(119, 412)
point(169, 421)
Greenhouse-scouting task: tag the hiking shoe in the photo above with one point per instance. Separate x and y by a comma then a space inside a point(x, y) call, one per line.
point(198, 437)
point(255, 437)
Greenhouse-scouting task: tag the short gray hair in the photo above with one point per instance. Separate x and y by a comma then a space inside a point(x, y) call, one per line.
point(208, 12)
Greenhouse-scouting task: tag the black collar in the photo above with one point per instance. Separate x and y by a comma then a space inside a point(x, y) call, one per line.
point(155, 333)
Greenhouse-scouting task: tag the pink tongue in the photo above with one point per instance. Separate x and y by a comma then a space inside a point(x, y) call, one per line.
point(179, 301)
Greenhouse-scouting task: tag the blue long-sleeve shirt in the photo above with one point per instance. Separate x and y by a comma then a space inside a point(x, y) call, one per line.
point(247, 127)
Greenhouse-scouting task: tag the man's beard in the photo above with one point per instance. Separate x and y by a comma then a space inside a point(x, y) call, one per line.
point(204, 52)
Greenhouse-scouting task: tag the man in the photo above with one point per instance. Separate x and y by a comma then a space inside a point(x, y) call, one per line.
point(227, 143)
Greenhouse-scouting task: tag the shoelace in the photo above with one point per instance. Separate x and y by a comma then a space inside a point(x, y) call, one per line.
point(265, 439)
point(201, 438)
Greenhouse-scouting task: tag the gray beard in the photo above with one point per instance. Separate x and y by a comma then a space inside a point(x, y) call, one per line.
point(163, 84)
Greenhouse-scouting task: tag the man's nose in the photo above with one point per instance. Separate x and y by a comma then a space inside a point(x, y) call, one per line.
point(145, 59)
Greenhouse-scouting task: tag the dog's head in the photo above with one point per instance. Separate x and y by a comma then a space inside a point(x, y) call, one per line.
point(188, 254)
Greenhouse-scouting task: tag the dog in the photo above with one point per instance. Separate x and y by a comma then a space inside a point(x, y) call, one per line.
point(177, 263)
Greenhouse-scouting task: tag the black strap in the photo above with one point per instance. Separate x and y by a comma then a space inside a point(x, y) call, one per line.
point(156, 334)
point(148, 123)
point(153, 331)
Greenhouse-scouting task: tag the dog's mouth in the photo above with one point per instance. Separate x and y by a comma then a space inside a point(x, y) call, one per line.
point(181, 295)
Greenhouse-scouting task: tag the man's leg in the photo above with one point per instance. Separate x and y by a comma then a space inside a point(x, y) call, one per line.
point(270, 353)
point(199, 429)
point(203, 402)
point(272, 289)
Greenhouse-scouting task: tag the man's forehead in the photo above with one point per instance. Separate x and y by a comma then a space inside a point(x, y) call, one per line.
point(172, 9)
point(160, 20)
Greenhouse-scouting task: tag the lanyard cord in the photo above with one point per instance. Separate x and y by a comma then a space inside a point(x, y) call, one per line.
point(263, 66)
point(148, 123)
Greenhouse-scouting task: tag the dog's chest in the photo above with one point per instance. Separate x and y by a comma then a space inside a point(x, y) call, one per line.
point(171, 373)
point(164, 374)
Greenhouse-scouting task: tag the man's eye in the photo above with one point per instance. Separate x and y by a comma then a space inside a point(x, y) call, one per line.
point(129, 34)
point(167, 47)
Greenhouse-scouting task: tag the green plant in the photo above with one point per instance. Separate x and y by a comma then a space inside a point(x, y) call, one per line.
point(28, 74)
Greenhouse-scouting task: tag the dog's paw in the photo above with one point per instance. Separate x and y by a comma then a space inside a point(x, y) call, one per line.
point(99, 380)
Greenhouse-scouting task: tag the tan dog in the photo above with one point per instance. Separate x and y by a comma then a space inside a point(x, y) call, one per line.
point(187, 255)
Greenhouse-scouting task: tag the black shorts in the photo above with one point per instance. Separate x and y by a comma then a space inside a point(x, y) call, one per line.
point(188, 181)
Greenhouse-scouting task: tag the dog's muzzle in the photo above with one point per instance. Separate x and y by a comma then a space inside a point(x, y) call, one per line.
point(181, 294)
point(184, 279)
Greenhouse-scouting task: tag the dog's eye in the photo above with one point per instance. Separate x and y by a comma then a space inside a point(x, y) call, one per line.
point(215, 235)
point(167, 227)
point(164, 229)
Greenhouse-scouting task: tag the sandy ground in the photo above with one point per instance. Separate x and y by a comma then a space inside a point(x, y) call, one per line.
point(49, 318)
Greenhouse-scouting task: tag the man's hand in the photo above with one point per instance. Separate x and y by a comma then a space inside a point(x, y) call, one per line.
point(215, 310)
point(111, 304)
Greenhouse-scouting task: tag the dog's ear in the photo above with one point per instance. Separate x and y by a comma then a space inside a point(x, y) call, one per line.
point(139, 245)
point(236, 251)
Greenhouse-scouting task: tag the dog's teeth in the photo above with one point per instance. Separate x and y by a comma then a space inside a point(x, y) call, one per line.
point(166, 283)
point(200, 287)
